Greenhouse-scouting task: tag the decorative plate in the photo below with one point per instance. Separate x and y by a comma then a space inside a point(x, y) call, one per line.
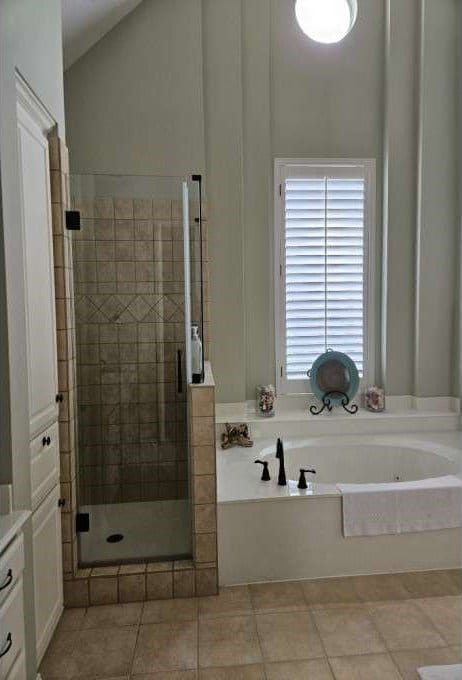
point(334, 373)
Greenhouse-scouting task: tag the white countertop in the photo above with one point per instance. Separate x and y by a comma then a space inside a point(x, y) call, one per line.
point(10, 525)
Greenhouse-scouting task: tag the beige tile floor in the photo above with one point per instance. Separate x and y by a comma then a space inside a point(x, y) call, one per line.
point(364, 628)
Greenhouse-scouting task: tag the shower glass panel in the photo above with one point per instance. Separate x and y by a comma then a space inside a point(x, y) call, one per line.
point(196, 276)
point(132, 311)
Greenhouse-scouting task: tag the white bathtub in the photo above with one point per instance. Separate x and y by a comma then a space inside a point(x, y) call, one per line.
point(266, 532)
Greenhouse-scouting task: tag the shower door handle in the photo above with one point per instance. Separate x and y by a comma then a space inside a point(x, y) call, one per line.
point(179, 371)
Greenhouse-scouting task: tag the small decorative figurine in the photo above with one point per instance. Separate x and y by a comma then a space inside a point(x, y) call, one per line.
point(266, 395)
point(374, 399)
point(236, 435)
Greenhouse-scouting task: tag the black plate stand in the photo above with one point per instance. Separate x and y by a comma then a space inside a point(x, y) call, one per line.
point(327, 403)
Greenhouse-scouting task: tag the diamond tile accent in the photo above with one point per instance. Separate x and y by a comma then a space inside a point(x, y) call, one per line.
point(166, 308)
point(139, 308)
point(112, 308)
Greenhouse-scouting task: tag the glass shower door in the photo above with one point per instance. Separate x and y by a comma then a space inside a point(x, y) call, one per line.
point(132, 316)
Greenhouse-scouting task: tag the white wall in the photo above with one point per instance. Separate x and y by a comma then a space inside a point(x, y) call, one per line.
point(268, 91)
point(30, 41)
point(134, 101)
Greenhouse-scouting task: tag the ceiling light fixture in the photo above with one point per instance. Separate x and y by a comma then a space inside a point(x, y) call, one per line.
point(326, 21)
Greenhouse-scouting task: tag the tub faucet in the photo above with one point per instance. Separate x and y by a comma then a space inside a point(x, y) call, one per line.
point(282, 471)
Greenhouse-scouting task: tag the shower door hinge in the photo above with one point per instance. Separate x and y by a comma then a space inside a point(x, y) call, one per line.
point(82, 522)
point(73, 220)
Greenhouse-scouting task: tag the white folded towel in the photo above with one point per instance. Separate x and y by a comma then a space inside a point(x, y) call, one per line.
point(441, 672)
point(402, 507)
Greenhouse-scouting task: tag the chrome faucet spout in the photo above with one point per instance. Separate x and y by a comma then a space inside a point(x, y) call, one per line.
point(282, 471)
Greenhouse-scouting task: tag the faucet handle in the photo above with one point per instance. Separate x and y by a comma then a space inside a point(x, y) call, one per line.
point(302, 481)
point(265, 474)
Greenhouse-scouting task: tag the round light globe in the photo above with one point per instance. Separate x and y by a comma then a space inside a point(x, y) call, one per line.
point(326, 21)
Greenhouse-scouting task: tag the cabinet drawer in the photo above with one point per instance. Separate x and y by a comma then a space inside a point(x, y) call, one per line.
point(18, 671)
point(11, 567)
point(44, 463)
point(11, 629)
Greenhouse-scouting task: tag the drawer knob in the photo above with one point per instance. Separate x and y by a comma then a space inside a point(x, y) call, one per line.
point(59, 398)
point(8, 580)
point(46, 441)
point(61, 502)
point(9, 644)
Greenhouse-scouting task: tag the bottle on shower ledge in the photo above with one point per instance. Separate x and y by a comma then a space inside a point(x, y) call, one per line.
point(196, 354)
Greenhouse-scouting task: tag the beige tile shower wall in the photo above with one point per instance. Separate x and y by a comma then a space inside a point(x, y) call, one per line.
point(65, 329)
point(129, 297)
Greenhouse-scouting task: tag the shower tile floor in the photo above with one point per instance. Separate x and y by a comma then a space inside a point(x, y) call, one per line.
point(362, 628)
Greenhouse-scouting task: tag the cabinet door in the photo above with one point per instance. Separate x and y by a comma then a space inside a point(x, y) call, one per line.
point(34, 175)
point(48, 575)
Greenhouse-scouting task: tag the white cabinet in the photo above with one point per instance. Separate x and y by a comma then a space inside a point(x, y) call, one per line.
point(48, 576)
point(44, 451)
point(33, 124)
point(12, 657)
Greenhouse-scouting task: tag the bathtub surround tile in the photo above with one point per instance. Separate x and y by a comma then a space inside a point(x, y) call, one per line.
point(277, 596)
point(408, 661)
point(315, 669)
point(204, 489)
point(204, 459)
point(203, 431)
point(404, 626)
point(347, 631)
point(446, 615)
point(286, 636)
point(224, 641)
point(203, 403)
point(370, 667)
point(166, 647)
point(205, 547)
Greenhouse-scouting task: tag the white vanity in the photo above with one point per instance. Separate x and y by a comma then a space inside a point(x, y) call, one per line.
point(12, 635)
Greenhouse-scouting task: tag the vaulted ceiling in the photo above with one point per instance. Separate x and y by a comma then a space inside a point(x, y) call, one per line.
point(86, 21)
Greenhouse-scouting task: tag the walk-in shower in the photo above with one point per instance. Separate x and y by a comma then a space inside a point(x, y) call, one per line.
point(137, 284)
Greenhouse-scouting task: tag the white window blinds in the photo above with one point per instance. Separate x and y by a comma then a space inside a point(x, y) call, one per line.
point(323, 264)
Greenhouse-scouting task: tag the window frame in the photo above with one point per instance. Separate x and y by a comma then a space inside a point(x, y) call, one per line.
point(368, 167)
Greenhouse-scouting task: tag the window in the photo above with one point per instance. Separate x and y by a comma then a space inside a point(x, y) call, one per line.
point(324, 231)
